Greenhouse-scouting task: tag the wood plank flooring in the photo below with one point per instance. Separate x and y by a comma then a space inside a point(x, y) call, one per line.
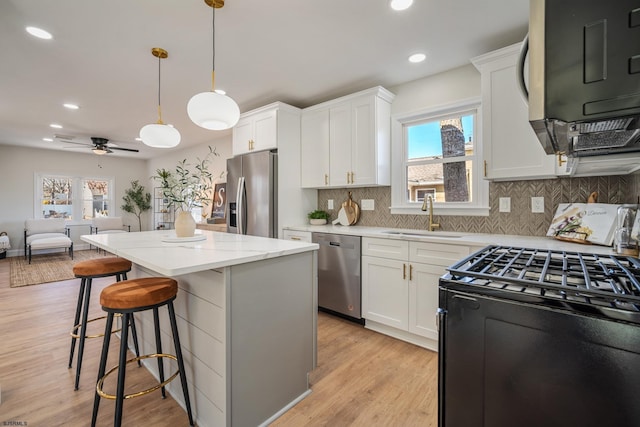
point(363, 378)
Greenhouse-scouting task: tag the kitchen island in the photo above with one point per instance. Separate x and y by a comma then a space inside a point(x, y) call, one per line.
point(246, 313)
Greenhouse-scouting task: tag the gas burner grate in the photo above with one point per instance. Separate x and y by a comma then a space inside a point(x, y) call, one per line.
point(599, 280)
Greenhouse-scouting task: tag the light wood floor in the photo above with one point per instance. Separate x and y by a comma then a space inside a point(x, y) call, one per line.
point(363, 378)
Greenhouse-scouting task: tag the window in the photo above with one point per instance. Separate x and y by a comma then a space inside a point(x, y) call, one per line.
point(72, 198)
point(437, 153)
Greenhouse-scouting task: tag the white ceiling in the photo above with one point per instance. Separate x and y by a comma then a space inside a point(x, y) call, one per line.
point(301, 52)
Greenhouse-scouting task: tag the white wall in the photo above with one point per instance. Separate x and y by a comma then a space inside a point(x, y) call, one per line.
point(439, 89)
point(19, 165)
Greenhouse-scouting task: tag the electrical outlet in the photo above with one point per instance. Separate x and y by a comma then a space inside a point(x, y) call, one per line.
point(330, 204)
point(367, 204)
point(537, 204)
point(505, 204)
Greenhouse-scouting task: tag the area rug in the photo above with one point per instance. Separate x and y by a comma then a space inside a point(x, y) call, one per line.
point(46, 268)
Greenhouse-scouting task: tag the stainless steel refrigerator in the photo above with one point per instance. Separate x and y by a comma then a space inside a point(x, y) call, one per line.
point(252, 194)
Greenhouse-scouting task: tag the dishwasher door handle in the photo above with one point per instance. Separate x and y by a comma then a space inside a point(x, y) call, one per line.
point(334, 244)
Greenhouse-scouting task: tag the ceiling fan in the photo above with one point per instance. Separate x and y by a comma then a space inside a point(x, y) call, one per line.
point(99, 146)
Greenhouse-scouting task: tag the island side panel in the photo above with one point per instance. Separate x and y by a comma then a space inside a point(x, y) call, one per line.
point(272, 310)
point(201, 318)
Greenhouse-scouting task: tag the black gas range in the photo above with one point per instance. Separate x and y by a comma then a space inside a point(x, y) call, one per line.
point(535, 337)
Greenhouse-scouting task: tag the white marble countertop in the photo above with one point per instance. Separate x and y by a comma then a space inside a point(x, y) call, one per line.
point(455, 238)
point(218, 250)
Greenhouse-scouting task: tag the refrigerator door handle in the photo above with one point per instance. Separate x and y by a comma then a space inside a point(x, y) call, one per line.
point(240, 209)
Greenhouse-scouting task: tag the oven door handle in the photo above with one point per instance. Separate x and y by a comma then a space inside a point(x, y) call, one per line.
point(440, 313)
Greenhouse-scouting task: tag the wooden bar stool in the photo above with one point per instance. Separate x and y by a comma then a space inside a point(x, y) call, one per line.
point(86, 271)
point(126, 298)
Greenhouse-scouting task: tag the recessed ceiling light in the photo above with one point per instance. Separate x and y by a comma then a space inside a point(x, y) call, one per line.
point(39, 33)
point(55, 126)
point(71, 106)
point(47, 139)
point(417, 57)
point(401, 4)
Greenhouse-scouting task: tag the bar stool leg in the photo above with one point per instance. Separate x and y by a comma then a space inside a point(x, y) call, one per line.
point(134, 333)
point(183, 377)
point(122, 369)
point(77, 319)
point(83, 329)
point(103, 365)
point(156, 327)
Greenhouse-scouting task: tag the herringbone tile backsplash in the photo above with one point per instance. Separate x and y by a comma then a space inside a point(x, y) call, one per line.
point(610, 189)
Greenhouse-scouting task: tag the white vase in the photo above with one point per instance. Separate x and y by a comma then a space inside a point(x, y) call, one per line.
point(185, 224)
point(317, 221)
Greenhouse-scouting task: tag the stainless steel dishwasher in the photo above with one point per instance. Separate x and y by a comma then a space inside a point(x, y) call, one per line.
point(339, 274)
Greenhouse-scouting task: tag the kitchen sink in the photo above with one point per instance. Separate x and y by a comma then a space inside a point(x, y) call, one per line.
point(422, 234)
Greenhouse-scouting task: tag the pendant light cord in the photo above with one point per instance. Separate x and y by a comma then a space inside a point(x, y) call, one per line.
point(213, 44)
point(159, 109)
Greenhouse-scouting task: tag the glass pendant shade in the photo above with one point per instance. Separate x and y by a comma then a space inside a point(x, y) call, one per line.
point(159, 135)
point(213, 111)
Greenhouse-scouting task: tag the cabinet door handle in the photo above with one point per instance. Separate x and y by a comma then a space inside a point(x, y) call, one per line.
point(348, 182)
point(352, 178)
point(251, 144)
point(485, 168)
point(404, 271)
point(410, 272)
point(326, 179)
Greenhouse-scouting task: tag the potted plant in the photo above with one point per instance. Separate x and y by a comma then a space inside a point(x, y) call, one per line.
point(188, 186)
point(136, 201)
point(318, 217)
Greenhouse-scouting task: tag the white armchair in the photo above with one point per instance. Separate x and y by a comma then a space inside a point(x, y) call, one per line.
point(50, 233)
point(108, 224)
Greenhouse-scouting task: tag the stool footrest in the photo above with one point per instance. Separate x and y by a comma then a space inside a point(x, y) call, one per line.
point(100, 383)
point(74, 330)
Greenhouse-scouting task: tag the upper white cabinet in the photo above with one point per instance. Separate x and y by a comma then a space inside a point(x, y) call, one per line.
point(258, 129)
point(511, 149)
point(346, 141)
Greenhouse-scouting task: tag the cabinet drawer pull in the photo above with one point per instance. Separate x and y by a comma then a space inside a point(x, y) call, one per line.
point(294, 238)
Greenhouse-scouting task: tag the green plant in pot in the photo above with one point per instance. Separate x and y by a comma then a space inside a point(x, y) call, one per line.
point(187, 187)
point(136, 201)
point(318, 217)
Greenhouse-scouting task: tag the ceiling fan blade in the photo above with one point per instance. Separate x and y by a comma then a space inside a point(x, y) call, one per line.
point(77, 143)
point(123, 149)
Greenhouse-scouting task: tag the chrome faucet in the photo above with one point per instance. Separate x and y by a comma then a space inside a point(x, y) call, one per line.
point(432, 225)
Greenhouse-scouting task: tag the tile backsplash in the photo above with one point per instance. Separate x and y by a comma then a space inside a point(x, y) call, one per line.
point(610, 189)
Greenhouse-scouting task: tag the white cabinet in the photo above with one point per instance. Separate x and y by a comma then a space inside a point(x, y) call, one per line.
point(257, 129)
point(346, 141)
point(511, 149)
point(400, 286)
point(277, 125)
point(298, 236)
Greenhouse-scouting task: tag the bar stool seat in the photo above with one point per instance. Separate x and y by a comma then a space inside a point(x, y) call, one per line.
point(126, 298)
point(86, 271)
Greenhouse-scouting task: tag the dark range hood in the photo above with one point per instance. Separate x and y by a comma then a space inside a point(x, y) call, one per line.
point(584, 76)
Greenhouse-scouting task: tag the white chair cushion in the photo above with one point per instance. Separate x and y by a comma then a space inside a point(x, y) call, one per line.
point(44, 236)
point(51, 242)
point(48, 225)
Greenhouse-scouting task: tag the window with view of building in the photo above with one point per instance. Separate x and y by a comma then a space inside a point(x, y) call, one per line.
point(72, 197)
point(440, 158)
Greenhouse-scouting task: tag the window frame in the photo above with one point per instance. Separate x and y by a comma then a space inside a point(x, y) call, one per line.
point(76, 194)
point(479, 206)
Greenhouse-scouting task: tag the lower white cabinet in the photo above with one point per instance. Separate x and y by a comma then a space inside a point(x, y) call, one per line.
point(299, 236)
point(400, 286)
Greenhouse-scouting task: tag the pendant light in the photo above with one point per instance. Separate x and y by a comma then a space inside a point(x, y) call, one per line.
point(213, 110)
point(159, 135)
